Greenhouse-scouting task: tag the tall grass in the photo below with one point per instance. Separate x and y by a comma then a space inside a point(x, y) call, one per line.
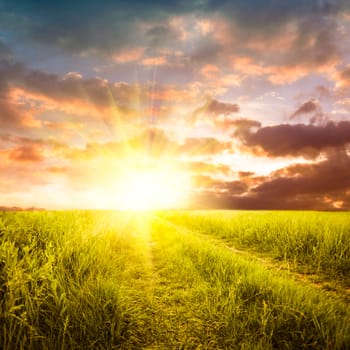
point(107, 280)
point(60, 279)
point(319, 240)
point(233, 303)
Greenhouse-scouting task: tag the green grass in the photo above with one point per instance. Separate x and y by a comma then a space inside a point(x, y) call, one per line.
point(109, 280)
point(319, 241)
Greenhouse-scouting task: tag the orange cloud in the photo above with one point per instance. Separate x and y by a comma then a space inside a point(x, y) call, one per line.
point(342, 77)
point(154, 61)
point(57, 169)
point(210, 71)
point(63, 125)
point(205, 26)
point(27, 153)
point(280, 74)
point(204, 146)
point(129, 55)
point(173, 93)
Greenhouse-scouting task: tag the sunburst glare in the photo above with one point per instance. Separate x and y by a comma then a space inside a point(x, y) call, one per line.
point(155, 188)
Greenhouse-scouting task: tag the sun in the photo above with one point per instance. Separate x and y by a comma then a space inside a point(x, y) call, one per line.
point(152, 189)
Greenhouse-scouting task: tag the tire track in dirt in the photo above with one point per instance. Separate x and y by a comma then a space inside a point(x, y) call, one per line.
point(321, 282)
point(166, 320)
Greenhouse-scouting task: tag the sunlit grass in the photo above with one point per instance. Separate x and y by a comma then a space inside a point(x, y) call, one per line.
point(319, 241)
point(112, 280)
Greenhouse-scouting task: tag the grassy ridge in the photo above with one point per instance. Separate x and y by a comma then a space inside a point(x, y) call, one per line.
point(105, 280)
point(320, 241)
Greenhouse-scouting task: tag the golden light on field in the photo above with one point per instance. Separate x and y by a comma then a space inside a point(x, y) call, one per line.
point(152, 189)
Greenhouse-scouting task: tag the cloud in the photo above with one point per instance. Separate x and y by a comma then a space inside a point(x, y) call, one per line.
point(278, 42)
point(198, 167)
point(204, 146)
point(154, 143)
point(342, 77)
point(306, 108)
point(154, 61)
point(92, 26)
point(244, 124)
point(233, 51)
point(161, 33)
point(26, 93)
point(282, 42)
point(209, 184)
point(129, 55)
point(214, 109)
point(311, 107)
point(326, 179)
point(324, 185)
point(296, 140)
point(57, 169)
point(23, 149)
point(28, 153)
point(11, 114)
point(210, 71)
point(245, 174)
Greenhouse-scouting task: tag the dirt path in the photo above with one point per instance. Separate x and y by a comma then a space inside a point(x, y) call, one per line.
point(331, 287)
point(161, 292)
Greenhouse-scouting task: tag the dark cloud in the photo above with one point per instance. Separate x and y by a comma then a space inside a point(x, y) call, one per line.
point(205, 51)
point(96, 91)
point(326, 179)
point(245, 174)
point(244, 124)
point(307, 107)
point(296, 140)
point(160, 34)
point(86, 25)
point(9, 114)
point(241, 125)
point(324, 185)
point(316, 44)
point(209, 184)
point(284, 40)
point(214, 109)
point(312, 109)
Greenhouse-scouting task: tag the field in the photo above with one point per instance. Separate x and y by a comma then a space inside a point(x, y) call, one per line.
point(174, 280)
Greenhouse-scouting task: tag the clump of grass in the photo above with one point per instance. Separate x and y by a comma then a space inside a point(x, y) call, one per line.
point(239, 304)
point(60, 280)
point(318, 240)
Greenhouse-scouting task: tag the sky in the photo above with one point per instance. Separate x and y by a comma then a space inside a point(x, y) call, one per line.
point(222, 104)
